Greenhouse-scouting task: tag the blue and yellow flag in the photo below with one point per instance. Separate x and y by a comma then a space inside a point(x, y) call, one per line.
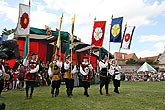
point(116, 29)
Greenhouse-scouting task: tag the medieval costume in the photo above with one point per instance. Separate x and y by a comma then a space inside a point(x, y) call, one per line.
point(31, 75)
point(115, 72)
point(104, 75)
point(21, 76)
point(86, 71)
point(69, 76)
point(15, 79)
point(55, 74)
point(2, 74)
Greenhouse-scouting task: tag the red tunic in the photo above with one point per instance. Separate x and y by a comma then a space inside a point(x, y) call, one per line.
point(86, 69)
point(31, 76)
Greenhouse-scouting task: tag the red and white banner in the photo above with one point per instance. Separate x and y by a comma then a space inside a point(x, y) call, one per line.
point(23, 26)
point(127, 37)
point(98, 33)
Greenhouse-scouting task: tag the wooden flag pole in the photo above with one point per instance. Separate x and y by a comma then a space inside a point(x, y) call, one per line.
point(109, 38)
point(58, 40)
point(61, 19)
point(72, 39)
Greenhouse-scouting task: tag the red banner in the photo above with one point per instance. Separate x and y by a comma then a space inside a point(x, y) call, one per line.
point(98, 33)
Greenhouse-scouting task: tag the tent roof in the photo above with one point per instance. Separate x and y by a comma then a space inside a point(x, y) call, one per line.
point(43, 32)
point(146, 67)
point(82, 47)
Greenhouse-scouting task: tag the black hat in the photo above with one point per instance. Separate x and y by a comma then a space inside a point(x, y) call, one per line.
point(32, 53)
point(104, 55)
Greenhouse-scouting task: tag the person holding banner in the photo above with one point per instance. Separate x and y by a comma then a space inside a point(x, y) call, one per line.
point(86, 70)
point(31, 74)
point(104, 75)
point(54, 72)
point(115, 72)
point(69, 75)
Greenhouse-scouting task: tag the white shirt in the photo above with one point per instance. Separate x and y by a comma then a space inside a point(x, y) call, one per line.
point(112, 71)
point(2, 71)
point(89, 68)
point(103, 64)
point(58, 63)
point(26, 63)
point(67, 66)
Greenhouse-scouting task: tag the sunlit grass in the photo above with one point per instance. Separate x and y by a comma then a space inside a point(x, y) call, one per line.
point(133, 96)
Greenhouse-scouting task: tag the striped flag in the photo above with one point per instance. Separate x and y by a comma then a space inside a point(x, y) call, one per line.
point(23, 26)
point(127, 37)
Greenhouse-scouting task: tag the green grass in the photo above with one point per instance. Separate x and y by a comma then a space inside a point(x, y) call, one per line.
point(133, 96)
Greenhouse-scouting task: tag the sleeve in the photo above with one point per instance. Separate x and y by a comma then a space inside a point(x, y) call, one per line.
point(66, 66)
point(3, 69)
point(82, 72)
point(35, 69)
point(90, 67)
point(25, 62)
point(102, 65)
point(50, 71)
point(74, 70)
point(111, 71)
point(59, 64)
point(119, 68)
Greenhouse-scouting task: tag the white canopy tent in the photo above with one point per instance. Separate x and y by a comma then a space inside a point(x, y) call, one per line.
point(146, 67)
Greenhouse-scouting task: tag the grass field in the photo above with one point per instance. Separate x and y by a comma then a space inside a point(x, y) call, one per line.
point(133, 96)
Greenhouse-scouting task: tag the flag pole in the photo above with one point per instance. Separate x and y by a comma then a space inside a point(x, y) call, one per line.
point(29, 32)
point(91, 46)
point(72, 39)
point(58, 42)
point(109, 38)
point(61, 19)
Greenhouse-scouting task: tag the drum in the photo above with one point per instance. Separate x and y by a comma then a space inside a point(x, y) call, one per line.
point(7, 77)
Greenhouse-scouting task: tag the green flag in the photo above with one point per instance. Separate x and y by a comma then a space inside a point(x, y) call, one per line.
point(67, 47)
point(102, 51)
point(26, 47)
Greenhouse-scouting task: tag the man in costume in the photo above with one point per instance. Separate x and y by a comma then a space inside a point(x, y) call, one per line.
point(104, 75)
point(2, 75)
point(115, 72)
point(55, 74)
point(69, 75)
point(86, 71)
point(31, 74)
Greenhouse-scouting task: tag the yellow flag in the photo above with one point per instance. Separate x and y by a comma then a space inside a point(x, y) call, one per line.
point(59, 40)
point(72, 31)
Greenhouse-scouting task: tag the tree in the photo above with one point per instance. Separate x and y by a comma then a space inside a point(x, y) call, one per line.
point(7, 32)
point(151, 61)
point(130, 61)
